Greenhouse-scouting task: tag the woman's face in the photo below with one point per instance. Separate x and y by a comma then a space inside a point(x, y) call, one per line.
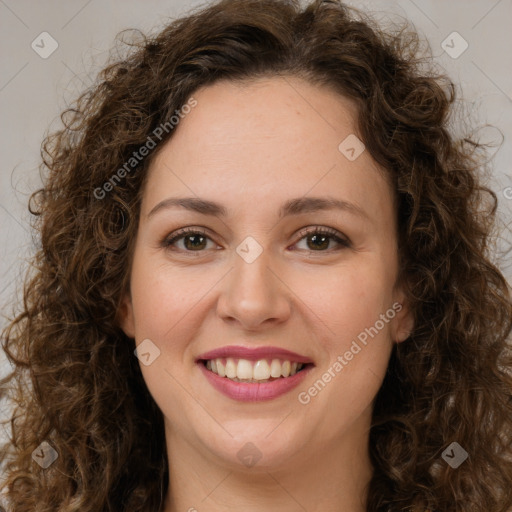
point(259, 275)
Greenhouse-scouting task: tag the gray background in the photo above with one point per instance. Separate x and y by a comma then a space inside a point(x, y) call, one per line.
point(34, 90)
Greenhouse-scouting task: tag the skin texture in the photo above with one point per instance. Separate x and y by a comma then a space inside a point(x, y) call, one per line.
point(252, 147)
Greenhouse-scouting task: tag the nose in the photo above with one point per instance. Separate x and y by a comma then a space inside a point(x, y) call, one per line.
point(254, 295)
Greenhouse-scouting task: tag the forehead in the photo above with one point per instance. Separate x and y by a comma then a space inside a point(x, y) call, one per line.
point(270, 138)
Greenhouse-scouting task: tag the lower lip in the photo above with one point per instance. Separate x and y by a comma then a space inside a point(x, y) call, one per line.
point(254, 392)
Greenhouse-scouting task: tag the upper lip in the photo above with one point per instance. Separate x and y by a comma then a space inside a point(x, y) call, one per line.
point(254, 354)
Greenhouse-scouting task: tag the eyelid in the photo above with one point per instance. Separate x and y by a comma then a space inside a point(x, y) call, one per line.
point(182, 232)
point(325, 230)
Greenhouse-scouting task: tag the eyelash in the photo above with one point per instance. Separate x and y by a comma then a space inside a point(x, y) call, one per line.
point(317, 230)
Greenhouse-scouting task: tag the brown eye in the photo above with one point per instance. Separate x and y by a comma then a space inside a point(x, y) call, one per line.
point(196, 241)
point(193, 240)
point(319, 239)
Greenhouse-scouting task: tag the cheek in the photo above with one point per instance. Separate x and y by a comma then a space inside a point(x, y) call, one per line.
point(355, 346)
point(346, 300)
point(162, 295)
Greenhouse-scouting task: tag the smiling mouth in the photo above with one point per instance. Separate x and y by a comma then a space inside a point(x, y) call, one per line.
point(253, 372)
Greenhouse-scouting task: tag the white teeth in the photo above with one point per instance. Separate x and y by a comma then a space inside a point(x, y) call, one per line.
point(230, 368)
point(286, 368)
point(275, 368)
point(261, 370)
point(221, 369)
point(243, 370)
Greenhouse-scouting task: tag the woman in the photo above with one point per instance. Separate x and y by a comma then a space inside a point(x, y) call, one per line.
point(263, 282)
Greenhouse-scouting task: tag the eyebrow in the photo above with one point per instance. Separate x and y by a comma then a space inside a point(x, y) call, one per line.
point(295, 206)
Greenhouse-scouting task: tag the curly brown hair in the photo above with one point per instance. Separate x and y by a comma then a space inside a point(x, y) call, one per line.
point(76, 383)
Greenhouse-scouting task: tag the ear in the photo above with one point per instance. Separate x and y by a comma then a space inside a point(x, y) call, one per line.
point(125, 317)
point(403, 323)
